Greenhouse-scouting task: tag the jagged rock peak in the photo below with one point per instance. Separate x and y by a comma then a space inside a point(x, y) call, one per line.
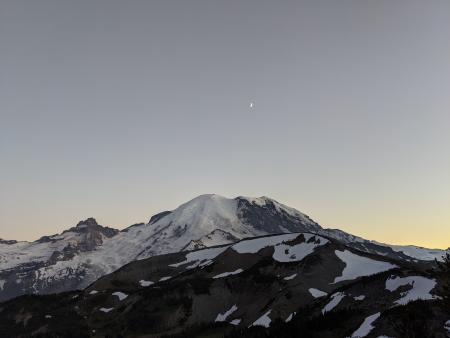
point(90, 222)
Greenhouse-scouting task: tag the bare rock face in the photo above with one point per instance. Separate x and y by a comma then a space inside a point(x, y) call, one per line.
point(30, 267)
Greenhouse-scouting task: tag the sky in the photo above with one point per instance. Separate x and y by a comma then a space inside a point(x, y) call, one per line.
point(120, 109)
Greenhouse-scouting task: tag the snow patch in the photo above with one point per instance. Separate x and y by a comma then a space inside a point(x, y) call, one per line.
point(264, 320)
point(145, 283)
point(254, 245)
point(236, 321)
point(223, 317)
point(420, 288)
point(289, 318)
point(290, 277)
point(335, 300)
point(162, 279)
point(2, 284)
point(93, 292)
point(200, 258)
point(366, 326)
point(120, 295)
point(362, 297)
point(106, 309)
point(359, 266)
point(317, 293)
point(295, 253)
point(226, 274)
point(282, 252)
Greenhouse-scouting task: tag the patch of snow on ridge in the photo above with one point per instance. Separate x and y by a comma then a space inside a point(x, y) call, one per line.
point(290, 277)
point(359, 266)
point(366, 326)
point(264, 320)
point(223, 317)
point(106, 309)
point(200, 257)
point(420, 288)
point(289, 318)
point(256, 244)
point(317, 293)
point(120, 295)
point(145, 283)
point(416, 252)
point(162, 279)
point(226, 274)
point(335, 300)
point(295, 253)
point(235, 322)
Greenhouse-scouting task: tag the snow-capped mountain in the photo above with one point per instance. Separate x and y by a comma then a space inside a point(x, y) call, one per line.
point(82, 254)
point(272, 286)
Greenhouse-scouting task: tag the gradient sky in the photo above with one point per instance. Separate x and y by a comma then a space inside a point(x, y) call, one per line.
point(121, 109)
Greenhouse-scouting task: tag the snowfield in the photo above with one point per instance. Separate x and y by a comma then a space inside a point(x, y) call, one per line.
point(200, 258)
point(295, 253)
point(264, 320)
point(366, 326)
point(420, 288)
point(282, 252)
point(358, 266)
point(257, 244)
point(317, 293)
point(335, 300)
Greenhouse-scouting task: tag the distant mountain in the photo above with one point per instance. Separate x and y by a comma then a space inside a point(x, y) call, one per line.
point(289, 285)
point(82, 254)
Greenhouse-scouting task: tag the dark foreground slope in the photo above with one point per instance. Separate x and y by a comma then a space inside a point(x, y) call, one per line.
point(291, 285)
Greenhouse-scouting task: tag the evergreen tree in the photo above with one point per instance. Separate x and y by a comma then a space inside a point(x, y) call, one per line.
point(444, 275)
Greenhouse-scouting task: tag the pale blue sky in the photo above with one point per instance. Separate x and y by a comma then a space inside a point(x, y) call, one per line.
point(119, 110)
